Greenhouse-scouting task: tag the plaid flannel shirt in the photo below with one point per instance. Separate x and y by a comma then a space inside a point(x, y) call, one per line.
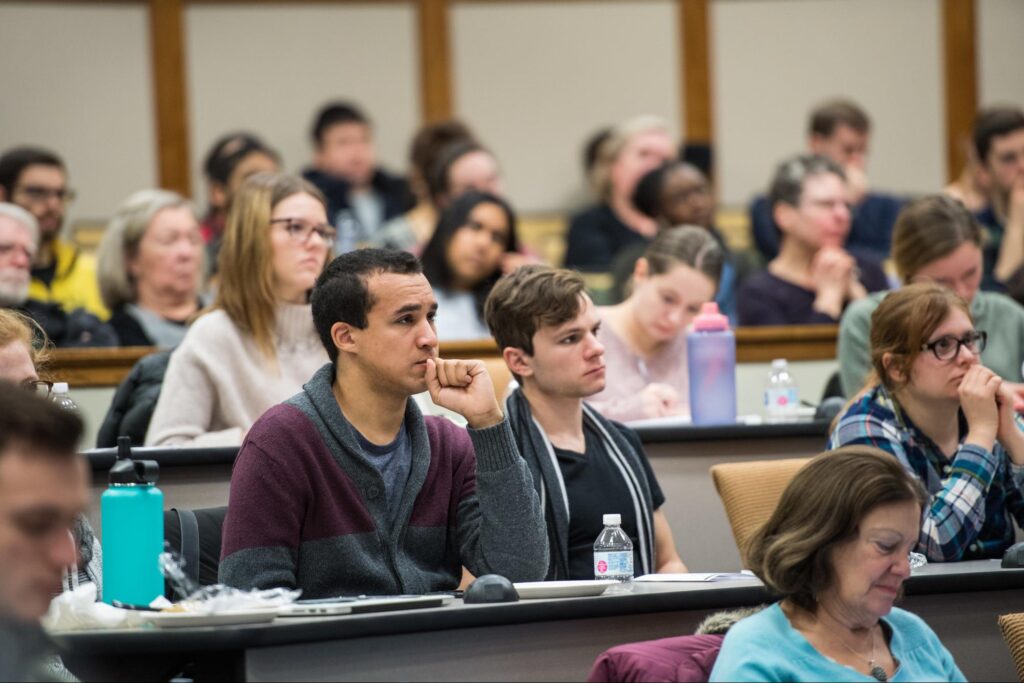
point(971, 494)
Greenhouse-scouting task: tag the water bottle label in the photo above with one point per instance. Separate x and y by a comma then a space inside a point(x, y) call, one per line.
point(781, 401)
point(613, 564)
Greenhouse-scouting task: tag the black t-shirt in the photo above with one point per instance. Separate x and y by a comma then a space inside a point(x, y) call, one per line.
point(595, 488)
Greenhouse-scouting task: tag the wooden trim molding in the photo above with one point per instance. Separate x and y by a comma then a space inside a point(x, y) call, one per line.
point(167, 46)
point(695, 67)
point(435, 60)
point(959, 54)
point(108, 367)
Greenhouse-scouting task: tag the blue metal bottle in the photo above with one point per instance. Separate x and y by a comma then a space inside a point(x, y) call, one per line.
point(133, 530)
point(711, 363)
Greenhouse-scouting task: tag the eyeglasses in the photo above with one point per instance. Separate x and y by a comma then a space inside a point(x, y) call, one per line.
point(301, 232)
point(39, 194)
point(948, 347)
point(39, 387)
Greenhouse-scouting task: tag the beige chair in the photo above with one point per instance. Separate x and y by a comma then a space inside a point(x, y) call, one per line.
point(750, 491)
point(1012, 626)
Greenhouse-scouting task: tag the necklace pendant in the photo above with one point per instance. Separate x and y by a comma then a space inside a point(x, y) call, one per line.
point(878, 673)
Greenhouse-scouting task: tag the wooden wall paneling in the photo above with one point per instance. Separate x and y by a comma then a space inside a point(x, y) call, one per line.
point(435, 60)
point(959, 54)
point(167, 45)
point(695, 55)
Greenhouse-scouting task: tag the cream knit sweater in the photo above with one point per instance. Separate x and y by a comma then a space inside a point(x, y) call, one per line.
point(218, 383)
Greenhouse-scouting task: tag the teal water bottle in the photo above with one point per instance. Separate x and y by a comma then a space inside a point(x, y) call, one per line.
point(132, 511)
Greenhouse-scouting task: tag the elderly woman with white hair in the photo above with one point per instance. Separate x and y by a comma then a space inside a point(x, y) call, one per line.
point(151, 268)
point(599, 232)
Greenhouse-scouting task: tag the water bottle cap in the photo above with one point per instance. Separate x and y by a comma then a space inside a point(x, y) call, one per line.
point(60, 387)
point(609, 520)
point(780, 364)
point(128, 472)
point(710, 319)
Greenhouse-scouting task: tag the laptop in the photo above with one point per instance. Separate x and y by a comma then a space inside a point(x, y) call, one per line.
point(362, 605)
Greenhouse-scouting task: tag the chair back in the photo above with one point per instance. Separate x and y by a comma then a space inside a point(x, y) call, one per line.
point(1012, 626)
point(683, 659)
point(750, 491)
point(195, 535)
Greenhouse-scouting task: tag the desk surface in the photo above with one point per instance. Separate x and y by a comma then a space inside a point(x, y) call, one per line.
point(102, 459)
point(645, 598)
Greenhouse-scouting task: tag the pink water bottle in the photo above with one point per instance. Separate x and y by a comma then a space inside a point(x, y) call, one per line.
point(711, 363)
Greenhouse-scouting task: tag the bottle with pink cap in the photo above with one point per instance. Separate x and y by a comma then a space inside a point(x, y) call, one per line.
point(711, 363)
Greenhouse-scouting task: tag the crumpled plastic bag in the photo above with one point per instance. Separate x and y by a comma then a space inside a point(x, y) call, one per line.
point(218, 598)
point(77, 609)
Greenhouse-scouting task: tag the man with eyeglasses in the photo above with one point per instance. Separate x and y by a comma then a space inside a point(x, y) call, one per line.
point(36, 180)
point(840, 130)
point(43, 492)
point(999, 145)
point(18, 238)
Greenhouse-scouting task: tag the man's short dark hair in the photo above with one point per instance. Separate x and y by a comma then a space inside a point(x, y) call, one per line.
point(333, 114)
point(992, 123)
point(529, 298)
point(342, 295)
point(788, 183)
point(828, 116)
point(27, 420)
point(16, 160)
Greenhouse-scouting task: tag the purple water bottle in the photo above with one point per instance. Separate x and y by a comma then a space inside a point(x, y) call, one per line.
point(711, 363)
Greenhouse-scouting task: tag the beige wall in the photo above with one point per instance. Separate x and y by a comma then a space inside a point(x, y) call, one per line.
point(775, 59)
point(268, 68)
point(75, 78)
point(535, 80)
point(1000, 52)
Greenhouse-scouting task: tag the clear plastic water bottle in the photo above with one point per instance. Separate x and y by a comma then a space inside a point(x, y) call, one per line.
point(348, 232)
point(613, 552)
point(781, 395)
point(711, 364)
point(59, 395)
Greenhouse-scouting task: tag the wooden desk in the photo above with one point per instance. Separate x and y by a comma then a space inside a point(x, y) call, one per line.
point(85, 368)
point(552, 640)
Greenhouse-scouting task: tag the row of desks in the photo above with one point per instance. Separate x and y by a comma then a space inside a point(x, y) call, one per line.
point(553, 640)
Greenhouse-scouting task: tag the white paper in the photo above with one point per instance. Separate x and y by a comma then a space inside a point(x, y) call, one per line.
point(697, 577)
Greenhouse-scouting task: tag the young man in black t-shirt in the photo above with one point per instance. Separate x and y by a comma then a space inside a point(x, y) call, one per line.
point(583, 465)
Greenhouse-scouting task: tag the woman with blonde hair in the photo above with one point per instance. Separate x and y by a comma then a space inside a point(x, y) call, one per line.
point(946, 418)
point(150, 267)
point(598, 233)
point(256, 345)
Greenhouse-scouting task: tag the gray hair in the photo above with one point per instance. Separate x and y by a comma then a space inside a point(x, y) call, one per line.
point(121, 242)
point(790, 176)
point(611, 148)
point(16, 213)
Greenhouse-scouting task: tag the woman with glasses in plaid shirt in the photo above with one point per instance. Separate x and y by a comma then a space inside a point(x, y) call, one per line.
point(948, 419)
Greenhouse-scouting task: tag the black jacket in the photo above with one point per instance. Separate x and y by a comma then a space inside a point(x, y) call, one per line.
point(393, 190)
point(134, 402)
point(76, 329)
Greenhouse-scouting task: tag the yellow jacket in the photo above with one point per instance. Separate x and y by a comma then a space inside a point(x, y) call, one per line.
point(74, 283)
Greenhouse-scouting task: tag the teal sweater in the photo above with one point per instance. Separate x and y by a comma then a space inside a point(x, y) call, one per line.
point(764, 647)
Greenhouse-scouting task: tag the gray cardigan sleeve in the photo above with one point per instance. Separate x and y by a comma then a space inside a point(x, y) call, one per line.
point(855, 345)
point(501, 527)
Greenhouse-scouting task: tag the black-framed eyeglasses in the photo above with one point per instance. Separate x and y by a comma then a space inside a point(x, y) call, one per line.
point(39, 387)
point(948, 347)
point(38, 193)
point(301, 232)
